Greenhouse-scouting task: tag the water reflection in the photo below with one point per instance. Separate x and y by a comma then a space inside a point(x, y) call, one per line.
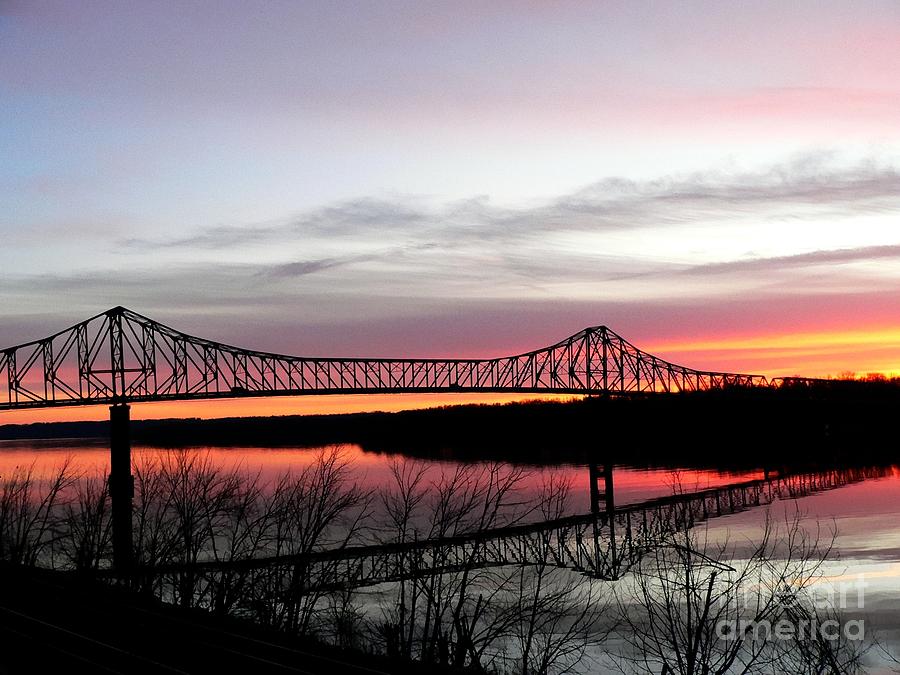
point(371, 469)
point(864, 513)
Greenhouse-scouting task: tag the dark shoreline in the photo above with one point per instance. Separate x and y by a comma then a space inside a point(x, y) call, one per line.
point(732, 429)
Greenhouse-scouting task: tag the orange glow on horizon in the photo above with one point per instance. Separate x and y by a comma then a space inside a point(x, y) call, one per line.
point(371, 469)
point(271, 406)
point(809, 353)
point(819, 339)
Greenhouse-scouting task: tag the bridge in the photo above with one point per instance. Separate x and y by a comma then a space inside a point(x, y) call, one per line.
point(604, 544)
point(120, 357)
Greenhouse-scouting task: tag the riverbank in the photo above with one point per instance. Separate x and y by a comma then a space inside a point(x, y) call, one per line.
point(732, 429)
point(55, 621)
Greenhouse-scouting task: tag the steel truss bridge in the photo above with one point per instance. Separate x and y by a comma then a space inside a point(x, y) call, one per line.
point(604, 544)
point(121, 357)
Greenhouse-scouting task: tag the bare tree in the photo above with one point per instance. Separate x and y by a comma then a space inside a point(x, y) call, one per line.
point(29, 513)
point(321, 507)
point(688, 610)
point(191, 513)
point(466, 616)
point(85, 532)
point(243, 532)
point(560, 616)
point(446, 609)
point(402, 503)
point(199, 496)
point(462, 612)
point(156, 538)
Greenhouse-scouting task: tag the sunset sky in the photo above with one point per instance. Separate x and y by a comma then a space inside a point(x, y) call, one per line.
point(716, 181)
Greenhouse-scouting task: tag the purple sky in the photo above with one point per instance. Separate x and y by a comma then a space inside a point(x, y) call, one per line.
point(458, 178)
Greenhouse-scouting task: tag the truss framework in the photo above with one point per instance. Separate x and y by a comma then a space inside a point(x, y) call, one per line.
point(120, 356)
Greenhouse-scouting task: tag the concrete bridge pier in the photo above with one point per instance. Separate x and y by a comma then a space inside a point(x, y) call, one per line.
point(121, 486)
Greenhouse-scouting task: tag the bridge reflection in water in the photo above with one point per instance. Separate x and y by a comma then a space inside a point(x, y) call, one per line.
point(604, 544)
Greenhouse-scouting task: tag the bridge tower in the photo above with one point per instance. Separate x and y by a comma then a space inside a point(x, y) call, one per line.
point(121, 482)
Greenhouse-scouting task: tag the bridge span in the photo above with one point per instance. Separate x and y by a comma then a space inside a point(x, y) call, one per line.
point(120, 356)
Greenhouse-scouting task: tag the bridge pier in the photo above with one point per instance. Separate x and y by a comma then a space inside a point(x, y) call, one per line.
point(602, 498)
point(603, 502)
point(121, 486)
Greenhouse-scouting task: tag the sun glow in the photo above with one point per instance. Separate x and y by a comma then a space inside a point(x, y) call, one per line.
point(809, 353)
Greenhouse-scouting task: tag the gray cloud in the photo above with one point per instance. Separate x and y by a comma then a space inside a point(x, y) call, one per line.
point(804, 188)
point(223, 236)
point(301, 268)
point(304, 267)
point(356, 218)
point(813, 258)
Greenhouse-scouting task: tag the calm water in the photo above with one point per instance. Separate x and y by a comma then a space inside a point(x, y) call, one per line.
point(866, 515)
point(372, 470)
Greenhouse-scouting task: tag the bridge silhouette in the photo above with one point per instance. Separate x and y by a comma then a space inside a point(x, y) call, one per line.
point(120, 357)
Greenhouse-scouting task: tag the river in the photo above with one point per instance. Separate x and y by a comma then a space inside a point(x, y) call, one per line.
point(865, 515)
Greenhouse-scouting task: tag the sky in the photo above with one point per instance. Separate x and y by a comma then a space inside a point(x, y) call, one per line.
point(718, 182)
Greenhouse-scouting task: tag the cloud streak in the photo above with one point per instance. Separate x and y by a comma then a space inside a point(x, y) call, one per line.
point(802, 189)
point(811, 259)
point(406, 247)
